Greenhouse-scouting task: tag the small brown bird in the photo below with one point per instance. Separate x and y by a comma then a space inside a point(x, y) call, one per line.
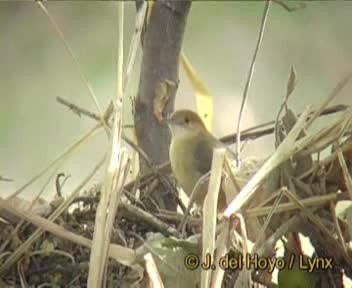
point(191, 153)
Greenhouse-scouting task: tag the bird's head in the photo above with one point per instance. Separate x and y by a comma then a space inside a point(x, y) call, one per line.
point(185, 124)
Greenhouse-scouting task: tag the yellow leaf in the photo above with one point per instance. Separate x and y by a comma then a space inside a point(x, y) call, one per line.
point(203, 97)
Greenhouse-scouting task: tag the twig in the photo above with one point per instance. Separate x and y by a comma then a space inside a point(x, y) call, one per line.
point(337, 89)
point(64, 155)
point(249, 78)
point(249, 134)
point(282, 153)
point(79, 68)
point(289, 147)
point(121, 254)
point(283, 229)
point(194, 194)
point(154, 170)
point(59, 185)
point(327, 136)
point(288, 8)
point(314, 201)
point(319, 225)
point(78, 110)
point(82, 111)
point(38, 232)
point(261, 233)
point(140, 215)
point(344, 147)
point(136, 38)
point(345, 171)
point(41, 191)
point(146, 217)
point(338, 228)
point(177, 218)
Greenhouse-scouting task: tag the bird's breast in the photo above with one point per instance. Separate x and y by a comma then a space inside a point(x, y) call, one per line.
point(184, 165)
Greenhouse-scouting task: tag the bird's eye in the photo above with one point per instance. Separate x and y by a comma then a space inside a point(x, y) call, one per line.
point(186, 120)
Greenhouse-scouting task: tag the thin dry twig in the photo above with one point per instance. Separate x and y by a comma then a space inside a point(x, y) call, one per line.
point(154, 170)
point(337, 89)
point(289, 8)
point(314, 201)
point(252, 134)
point(261, 234)
point(282, 153)
point(62, 157)
point(150, 219)
point(78, 110)
point(329, 159)
point(195, 190)
point(345, 171)
point(282, 230)
point(338, 228)
point(121, 254)
point(82, 111)
point(136, 38)
point(34, 201)
point(76, 62)
point(38, 232)
point(249, 78)
point(290, 147)
point(319, 225)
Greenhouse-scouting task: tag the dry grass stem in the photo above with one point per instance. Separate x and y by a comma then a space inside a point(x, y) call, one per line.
point(115, 171)
point(210, 213)
point(222, 247)
point(282, 153)
point(247, 278)
point(153, 273)
point(121, 254)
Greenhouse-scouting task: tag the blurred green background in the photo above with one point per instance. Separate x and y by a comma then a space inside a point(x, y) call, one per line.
point(220, 39)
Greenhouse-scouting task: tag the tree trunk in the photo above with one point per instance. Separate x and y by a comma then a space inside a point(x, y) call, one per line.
point(162, 42)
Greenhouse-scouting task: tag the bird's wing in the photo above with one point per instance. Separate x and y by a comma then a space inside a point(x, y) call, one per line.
point(204, 153)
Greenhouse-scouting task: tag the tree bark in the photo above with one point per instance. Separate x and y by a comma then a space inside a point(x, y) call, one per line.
point(162, 42)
